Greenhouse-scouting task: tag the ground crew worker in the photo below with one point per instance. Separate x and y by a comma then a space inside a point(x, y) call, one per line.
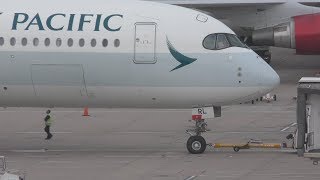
point(48, 123)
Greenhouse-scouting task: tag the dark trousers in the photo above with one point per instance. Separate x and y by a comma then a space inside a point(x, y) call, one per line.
point(47, 130)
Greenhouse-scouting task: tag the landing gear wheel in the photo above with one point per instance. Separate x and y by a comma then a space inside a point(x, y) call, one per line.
point(196, 145)
point(236, 149)
point(267, 58)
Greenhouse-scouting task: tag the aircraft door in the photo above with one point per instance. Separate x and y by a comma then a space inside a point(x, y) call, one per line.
point(145, 43)
point(59, 84)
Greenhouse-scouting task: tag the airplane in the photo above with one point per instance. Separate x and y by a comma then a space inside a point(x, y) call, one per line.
point(280, 23)
point(124, 54)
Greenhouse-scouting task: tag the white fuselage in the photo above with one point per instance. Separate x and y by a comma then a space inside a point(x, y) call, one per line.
point(121, 54)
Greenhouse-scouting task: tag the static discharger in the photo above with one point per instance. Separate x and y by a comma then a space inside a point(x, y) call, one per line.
point(250, 144)
point(86, 112)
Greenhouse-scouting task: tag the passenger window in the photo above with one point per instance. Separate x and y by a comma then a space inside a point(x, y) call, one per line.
point(210, 42)
point(58, 42)
point(81, 42)
point(13, 41)
point(47, 42)
point(93, 43)
point(35, 41)
point(104, 42)
point(70, 42)
point(235, 41)
point(116, 43)
point(24, 41)
point(222, 42)
point(1, 41)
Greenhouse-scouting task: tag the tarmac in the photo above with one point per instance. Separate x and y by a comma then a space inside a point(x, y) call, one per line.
point(148, 144)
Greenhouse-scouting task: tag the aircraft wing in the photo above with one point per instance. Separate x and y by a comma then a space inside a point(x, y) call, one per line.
point(221, 3)
point(242, 16)
point(314, 4)
point(234, 3)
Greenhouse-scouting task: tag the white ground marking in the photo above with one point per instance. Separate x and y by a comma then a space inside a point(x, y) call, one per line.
point(195, 176)
point(288, 127)
point(139, 156)
point(168, 132)
point(146, 132)
point(243, 132)
point(58, 162)
point(34, 132)
point(210, 132)
point(51, 156)
point(191, 178)
point(30, 151)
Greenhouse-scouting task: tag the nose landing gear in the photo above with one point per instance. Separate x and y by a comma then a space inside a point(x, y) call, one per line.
point(196, 144)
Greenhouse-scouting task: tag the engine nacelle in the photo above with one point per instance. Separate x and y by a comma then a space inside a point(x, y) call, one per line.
point(301, 33)
point(282, 35)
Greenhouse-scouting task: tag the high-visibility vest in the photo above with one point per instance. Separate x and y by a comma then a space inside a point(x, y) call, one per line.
point(49, 121)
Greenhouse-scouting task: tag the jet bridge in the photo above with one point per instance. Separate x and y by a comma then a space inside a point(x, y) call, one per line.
point(308, 116)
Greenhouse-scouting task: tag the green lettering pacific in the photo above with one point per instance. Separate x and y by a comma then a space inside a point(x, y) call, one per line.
point(184, 60)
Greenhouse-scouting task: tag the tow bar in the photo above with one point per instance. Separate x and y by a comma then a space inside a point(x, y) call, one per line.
point(250, 144)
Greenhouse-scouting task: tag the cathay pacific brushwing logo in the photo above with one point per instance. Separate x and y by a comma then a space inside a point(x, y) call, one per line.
point(184, 60)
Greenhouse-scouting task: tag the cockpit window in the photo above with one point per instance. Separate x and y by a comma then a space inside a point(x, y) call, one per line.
point(222, 41)
point(210, 42)
point(235, 41)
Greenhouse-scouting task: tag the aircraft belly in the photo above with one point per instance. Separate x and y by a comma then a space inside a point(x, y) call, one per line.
point(134, 97)
point(18, 96)
point(168, 97)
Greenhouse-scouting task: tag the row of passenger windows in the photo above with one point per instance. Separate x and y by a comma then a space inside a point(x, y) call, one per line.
point(58, 42)
point(222, 41)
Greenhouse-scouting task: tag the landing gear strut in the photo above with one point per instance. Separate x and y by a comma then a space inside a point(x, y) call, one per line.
point(196, 144)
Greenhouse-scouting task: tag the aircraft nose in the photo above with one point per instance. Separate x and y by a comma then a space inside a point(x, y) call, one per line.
point(270, 78)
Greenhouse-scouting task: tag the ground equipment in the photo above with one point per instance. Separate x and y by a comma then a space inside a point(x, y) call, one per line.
point(9, 174)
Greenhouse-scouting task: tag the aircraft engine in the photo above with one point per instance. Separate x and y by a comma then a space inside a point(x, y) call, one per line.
point(301, 33)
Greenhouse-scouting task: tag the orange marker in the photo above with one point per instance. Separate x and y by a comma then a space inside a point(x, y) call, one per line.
point(86, 112)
